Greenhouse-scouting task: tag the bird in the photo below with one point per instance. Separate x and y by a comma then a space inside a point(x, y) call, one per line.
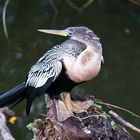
point(76, 60)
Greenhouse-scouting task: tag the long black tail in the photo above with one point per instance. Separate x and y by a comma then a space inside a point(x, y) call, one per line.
point(14, 95)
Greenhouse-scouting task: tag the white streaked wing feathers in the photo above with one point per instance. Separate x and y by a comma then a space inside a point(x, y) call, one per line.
point(39, 74)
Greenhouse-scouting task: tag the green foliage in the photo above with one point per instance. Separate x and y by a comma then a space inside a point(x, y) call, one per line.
point(29, 126)
point(98, 106)
point(113, 124)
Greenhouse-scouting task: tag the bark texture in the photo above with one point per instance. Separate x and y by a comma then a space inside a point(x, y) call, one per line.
point(94, 124)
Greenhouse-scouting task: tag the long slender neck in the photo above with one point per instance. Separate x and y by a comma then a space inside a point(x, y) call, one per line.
point(91, 45)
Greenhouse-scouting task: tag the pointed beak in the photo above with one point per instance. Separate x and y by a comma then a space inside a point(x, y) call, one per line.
point(55, 32)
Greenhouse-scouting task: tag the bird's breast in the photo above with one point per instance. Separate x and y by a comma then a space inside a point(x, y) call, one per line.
point(83, 68)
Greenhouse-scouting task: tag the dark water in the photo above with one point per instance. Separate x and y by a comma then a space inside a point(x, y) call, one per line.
point(116, 23)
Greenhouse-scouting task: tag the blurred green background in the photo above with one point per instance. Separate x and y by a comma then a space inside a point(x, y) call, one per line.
point(116, 22)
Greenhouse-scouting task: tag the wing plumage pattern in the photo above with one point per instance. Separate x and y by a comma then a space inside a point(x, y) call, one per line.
point(42, 72)
point(49, 66)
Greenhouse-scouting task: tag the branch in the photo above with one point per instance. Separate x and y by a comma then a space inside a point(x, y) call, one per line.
point(117, 107)
point(124, 122)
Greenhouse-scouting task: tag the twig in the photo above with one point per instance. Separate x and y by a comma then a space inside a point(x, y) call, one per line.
point(73, 5)
point(54, 7)
point(4, 19)
point(79, 9)
point(84, 118)
point(124, 122)
point(55, 11)
point(85, 5)
point(115, 106)
point(136, 2)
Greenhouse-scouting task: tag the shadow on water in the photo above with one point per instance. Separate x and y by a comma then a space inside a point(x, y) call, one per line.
point(116, 23)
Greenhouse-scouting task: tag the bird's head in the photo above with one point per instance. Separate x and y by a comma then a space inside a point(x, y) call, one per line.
point(82, 34)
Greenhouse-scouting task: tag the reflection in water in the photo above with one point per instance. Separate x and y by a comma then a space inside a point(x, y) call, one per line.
point(115, 22)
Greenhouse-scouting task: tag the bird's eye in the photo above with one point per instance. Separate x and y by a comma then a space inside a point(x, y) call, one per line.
point(70, 33)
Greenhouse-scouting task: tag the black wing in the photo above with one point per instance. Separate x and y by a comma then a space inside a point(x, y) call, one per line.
point(40, 78)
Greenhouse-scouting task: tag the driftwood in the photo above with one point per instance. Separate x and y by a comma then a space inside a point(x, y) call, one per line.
point(90, 125)
point(5, 133)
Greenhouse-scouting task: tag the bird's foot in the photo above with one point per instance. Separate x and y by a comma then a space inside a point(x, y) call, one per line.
point(75, 106)
point(57, 110)
point(61, 111)
point(66, 107)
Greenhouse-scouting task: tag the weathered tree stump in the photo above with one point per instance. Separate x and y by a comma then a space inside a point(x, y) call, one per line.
point(94, 124)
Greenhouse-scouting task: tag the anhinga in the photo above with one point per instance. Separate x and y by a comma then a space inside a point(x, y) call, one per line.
point(76, 60)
